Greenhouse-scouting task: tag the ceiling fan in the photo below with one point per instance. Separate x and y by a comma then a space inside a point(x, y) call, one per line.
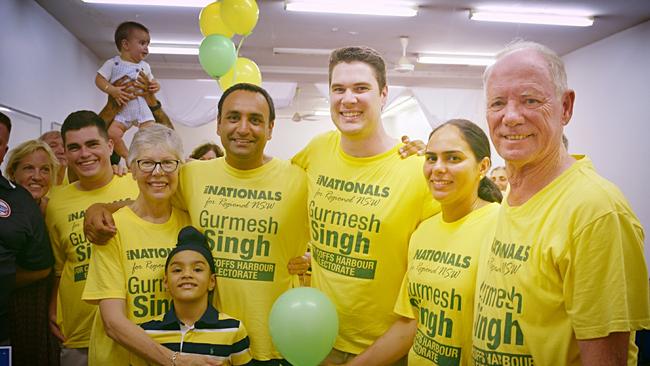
point(298, 117)
point(404, 64)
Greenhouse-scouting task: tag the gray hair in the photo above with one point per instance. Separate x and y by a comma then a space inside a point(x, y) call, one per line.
point(554, 63)
point(155, 136)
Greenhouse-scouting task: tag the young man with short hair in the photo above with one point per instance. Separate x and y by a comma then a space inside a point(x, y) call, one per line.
point(364, 203)
point(88, 150)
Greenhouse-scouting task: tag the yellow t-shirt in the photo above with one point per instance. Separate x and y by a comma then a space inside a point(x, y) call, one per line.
point(362, 212)
point(130, 266)
point(255, 221)
point(566, 265)
point(438, 287)
point(64, 219)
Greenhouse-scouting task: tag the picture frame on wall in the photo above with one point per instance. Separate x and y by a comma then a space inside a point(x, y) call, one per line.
point(55, 126)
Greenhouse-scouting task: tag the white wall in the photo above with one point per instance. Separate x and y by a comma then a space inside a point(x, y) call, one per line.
point(611, 116)
point(288, 136)
point(45, 70)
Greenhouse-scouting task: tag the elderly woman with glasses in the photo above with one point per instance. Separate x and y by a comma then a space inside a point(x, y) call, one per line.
point(125, 276)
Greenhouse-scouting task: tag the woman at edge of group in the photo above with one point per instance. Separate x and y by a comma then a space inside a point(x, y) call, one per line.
point(149, 223)
point(457, 161)
point(33, 165)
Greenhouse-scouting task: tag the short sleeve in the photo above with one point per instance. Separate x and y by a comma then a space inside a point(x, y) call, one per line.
point(178, 199)
point(403, 303)
point(57, 247)
point(430, 206)
point(301, 159)
point(241, 347)
point(147, 70)
point(107, 69)
point(37, 253)
point(606, 279)
point(106, 277)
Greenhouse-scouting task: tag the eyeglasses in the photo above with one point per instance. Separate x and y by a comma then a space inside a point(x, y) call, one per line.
point(148, 166)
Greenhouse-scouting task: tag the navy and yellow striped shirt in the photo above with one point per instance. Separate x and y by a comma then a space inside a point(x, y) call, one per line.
point(215, 334)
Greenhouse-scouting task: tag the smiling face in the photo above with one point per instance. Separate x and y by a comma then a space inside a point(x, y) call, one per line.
point(188, 277)
point(88, 154)
point(244, 128)
point(34, 172)
point(525, 115)
point(356, 100)
point(157, 185)
point(450, 168)
point(136, 46)
point(499, 177)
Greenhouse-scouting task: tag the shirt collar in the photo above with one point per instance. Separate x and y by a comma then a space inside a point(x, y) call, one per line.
point(209, 319)
point(6, 183)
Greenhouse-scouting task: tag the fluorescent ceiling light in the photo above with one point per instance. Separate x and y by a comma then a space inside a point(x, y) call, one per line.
point(180, 3)
point(358, 7)
point(301, 51)
point(322, 113)
point(174, 50)
point(531, 18)
point(456, 59)
point(212, 96)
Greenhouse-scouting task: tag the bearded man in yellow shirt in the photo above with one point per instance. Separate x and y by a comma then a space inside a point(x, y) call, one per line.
point(564, 281)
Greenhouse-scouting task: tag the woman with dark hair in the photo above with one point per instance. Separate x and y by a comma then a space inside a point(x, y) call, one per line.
point(437, 296)
point(207, 151)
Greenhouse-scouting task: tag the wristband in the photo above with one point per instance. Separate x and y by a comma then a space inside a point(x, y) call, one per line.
point(173, 358)
point(155, 107)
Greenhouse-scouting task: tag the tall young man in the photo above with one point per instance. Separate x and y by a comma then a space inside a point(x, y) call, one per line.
point(364, 203)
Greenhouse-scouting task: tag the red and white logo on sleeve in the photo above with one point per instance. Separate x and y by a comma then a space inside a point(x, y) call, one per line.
point(5, 209)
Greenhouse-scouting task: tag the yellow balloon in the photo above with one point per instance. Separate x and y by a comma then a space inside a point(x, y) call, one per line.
point(240, 15)
point(244, 71)
point(211, 22)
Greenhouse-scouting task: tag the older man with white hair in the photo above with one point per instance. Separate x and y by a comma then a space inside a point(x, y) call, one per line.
point(563, 281)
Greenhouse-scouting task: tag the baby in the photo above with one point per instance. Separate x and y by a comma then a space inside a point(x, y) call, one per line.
point(132, 41)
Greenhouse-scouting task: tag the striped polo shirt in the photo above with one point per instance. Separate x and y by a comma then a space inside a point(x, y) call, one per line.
point(215, 334)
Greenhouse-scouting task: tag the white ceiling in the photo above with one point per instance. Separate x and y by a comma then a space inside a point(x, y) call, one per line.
point(440, 26)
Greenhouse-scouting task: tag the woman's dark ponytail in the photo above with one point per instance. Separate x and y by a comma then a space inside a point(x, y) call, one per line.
point(488, 191)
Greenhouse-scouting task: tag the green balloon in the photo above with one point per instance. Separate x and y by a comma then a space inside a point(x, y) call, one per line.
point(217, 55)
point(303, 325)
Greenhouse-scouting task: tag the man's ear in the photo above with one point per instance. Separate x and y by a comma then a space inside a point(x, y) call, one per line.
point(383, 94)
point(110, 144)
point(271, 125)
point(568, 100)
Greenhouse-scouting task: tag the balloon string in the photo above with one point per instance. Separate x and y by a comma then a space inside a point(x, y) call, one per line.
point(234, 75)
point(241, 41)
